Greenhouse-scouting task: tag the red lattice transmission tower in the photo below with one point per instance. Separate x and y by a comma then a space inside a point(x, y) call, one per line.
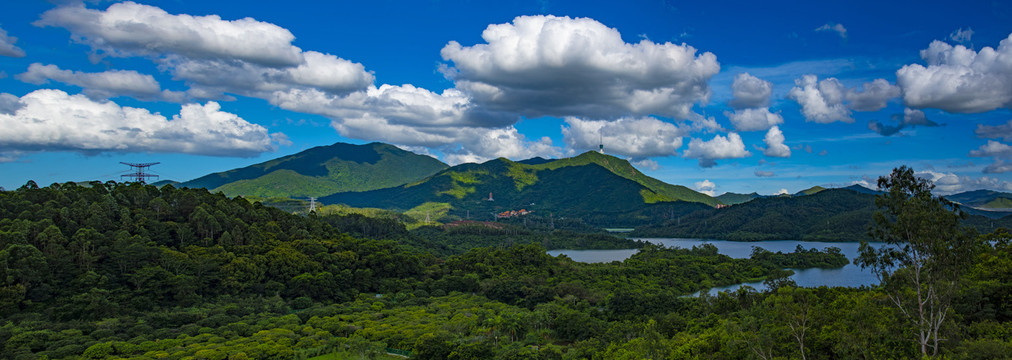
point(137, 172)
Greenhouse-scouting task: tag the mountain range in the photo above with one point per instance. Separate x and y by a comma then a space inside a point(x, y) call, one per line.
point(598, 188)
point(842, 214)
point(831, 214)
point(734, 199)
point(588, 185)
point(323, 170)
point(984, 199)
point(730, 198)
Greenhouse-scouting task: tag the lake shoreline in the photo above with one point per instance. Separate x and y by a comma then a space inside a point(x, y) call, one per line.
point(849, 275)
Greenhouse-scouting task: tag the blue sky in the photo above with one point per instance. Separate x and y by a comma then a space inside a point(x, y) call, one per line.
point(718, 96)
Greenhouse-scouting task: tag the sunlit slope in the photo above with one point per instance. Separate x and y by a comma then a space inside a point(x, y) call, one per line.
point(589, 184)
point(324, 170)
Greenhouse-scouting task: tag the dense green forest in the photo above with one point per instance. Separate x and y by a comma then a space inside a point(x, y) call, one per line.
point(131, 271)
point(828, 215)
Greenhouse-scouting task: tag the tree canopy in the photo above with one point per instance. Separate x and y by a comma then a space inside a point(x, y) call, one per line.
point(109, 270)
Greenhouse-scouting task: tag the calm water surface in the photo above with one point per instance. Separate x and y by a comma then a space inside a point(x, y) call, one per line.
point(848, 276)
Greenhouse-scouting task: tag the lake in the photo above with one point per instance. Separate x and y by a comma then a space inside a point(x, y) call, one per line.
point(848, 276)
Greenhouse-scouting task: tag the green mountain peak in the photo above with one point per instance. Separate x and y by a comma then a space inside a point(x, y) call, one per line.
point(812, 190)
point(588, 185)
point(659, 190)
point(324, 170)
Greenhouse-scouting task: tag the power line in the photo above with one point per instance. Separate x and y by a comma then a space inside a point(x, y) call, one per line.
point(138, 172)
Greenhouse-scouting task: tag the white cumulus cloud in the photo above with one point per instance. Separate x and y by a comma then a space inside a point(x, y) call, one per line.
point(534, 65)
point(750, 92)
point(706, 187)
point(1000, 152)
point(647, 164)
point(54, 120)
point(959, 79)
point(212, 55)
point(324, 72)
point(998, 166)
point(705, 124)
point(9, 104)
point(633, 137)
point(480, 145)
point(775, 143)
point(720, 147)
point(7, 47)
point(751, 104)
point(874, 95)
point(216, 57)
point(821, 101)
point(411, 116)
point(562, 66)
point(829, 100)
point(1003, 131)
point(149, 30)
point(104, 84)
point(406, 115)
point(753, 119)
point(992, 148)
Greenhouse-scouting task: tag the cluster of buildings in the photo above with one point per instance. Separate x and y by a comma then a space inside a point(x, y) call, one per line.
point(512, 213)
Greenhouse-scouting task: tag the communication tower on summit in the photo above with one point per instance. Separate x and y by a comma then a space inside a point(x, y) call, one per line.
point(137, 172)
point(600, 148)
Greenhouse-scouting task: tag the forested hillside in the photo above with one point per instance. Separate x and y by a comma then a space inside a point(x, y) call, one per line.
point(734, 199)
point(600, 189)
point(835, 214)
point(828, 215)
point(109, 268)
point(323, 170)
point(131, 271)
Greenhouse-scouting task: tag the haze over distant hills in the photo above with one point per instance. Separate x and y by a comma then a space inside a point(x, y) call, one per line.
point(323, 170)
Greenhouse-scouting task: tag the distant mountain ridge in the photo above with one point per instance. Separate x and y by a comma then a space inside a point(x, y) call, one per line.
point(862, 189)
point(588, 185)
point(983, 199)
point(665, 191)
point(840, 214)
point(989, 203)
point(323, 170)
point(535, 161)
point(811, 191)
point(735, 199)
point(828, 215)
